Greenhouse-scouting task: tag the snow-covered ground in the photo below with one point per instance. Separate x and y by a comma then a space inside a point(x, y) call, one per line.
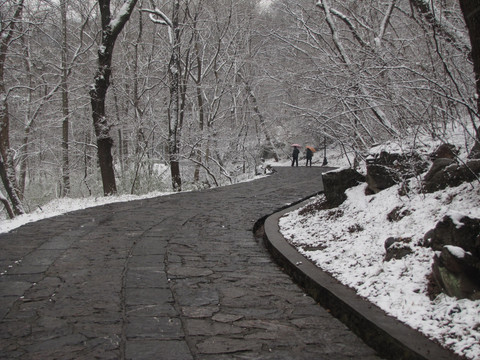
point(348, 242)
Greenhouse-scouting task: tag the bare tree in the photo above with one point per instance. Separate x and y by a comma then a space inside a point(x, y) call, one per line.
point(375, 107)
point(47, 71)
point(111, 28)
point(366, 71)
point(211, 71)
point(176, 88)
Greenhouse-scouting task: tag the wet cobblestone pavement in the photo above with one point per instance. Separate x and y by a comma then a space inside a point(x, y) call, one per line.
point(174, 277)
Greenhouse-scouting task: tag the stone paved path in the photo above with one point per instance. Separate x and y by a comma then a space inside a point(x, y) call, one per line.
point(175, 277)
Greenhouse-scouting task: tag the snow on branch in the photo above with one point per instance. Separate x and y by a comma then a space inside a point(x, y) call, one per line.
point(158, 17)
point(117, 24)
point(346, 20)
point(385, 22)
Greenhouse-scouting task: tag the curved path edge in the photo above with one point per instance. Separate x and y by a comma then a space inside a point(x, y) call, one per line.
point(388, 336)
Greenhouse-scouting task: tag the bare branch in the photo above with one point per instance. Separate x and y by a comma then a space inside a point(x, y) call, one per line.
point(385, 21)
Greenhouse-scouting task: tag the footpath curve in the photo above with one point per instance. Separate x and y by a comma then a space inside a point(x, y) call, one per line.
point(174, 277)
point(391, 338)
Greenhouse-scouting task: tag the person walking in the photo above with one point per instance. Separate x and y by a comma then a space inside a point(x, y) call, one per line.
point(295, 155)
point(309, 156)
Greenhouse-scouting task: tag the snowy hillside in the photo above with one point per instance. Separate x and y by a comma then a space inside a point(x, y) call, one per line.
point(348, 242)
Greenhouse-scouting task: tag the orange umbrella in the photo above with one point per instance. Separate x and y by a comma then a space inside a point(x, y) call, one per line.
point(311, 148)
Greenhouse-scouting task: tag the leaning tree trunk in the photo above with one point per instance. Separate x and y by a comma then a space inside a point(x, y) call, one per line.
point(471, 13)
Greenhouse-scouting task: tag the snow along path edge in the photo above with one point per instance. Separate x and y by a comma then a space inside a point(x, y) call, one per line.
point(388, 336)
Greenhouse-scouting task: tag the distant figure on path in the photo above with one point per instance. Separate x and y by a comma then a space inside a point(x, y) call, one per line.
point(309, 157)
point(295, 155)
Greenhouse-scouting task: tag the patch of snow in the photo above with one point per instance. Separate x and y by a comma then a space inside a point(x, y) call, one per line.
point(337, 169)
point(456, 217)
point(456, 251)
point(64, 205)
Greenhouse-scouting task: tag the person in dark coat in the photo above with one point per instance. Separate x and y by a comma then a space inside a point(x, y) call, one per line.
point(309, 156)
point(295, 156)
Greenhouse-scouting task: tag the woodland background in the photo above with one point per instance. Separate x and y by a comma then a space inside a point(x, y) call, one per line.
point(105, 97)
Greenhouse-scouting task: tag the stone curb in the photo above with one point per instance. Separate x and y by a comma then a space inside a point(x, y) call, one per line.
point(388, 336)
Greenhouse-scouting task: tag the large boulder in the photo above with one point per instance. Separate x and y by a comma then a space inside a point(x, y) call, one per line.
point(457, 272)
point(336, 182)
point(448, 173)
point(386, 169)
point(456, 266)
point(463, 232)
point(380, 177)
point(445, 151)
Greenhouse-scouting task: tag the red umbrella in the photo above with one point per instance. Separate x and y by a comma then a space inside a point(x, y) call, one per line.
point(296, 145)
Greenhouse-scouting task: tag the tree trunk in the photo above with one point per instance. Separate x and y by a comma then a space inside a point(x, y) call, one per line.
point(471, 13)
point(174, 72)
point(65, 106)
point(200, 103)
point(7, 169)
point(110, 30)
point(23, 152)
point(102, 132)
point(6, 172)
point(177, 91)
